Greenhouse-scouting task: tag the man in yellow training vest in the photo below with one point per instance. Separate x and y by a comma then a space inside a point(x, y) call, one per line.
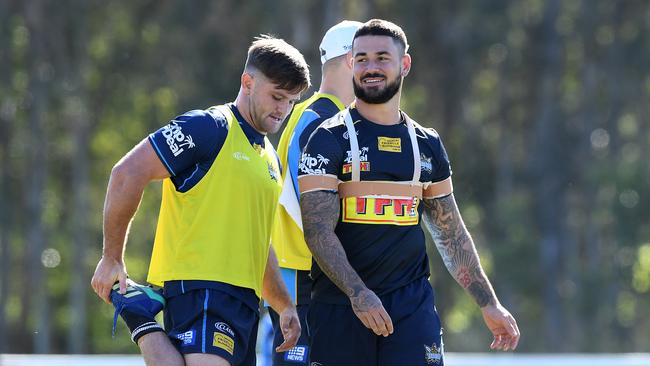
point(211, 255)
point(335, 92)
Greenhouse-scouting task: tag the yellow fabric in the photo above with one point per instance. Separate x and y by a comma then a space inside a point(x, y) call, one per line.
point(287, 237)
point(219, 230)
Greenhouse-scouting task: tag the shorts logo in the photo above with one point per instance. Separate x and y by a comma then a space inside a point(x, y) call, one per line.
point(176, 139)
point(311, 165)
point(296, 354)
point(390, 144)
point(224, 342)
point(223, 327)
point(188, 338)
point(432, 355)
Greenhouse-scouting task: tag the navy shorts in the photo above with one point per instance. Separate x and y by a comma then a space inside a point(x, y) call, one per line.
point(211, 320)
point(338, 338)
point(299, 287)
point(299, 354)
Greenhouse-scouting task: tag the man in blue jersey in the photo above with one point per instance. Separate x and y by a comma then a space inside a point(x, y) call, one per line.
point(379, 174)
point(334, 93)
point(212, 255)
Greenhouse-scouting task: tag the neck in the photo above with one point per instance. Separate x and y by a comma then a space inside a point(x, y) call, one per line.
point(243, 104)
point(383, 114)
point(339, 85)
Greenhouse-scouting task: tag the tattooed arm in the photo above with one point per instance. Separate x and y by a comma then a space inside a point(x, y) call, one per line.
point(453, 241)
point(320, 213)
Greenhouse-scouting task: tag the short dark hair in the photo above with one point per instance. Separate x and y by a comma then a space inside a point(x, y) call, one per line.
point(380, 27)
point(280, 62)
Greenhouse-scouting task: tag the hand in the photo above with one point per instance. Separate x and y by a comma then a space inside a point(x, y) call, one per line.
point(502, 325)
point(290, 326)
point(108, 272)
point(368, 308)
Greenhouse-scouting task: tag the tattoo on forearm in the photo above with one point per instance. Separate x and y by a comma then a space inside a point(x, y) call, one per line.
point(320, 214)
point(442, 218)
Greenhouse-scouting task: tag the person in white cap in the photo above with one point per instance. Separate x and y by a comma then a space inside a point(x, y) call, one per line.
point(334, 93)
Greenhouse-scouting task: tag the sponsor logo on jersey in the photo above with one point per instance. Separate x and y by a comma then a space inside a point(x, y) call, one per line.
point(346, 134)
point(176, 139)
point(223, 327)
point(425, 163)
point(313, 165)
point(365, 167)
point(390, 144)
point(363, 155)
point(224, 342)
point(188, 338)
point(240, 156)
point(297, 354)
point(432, 355)
point(381, 210)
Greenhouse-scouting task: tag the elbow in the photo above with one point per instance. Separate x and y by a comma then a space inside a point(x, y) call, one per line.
point(124, 174)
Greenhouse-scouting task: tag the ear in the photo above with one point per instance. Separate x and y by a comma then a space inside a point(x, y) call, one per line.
point(349, 59)
point(406, 64)
point(247, 83)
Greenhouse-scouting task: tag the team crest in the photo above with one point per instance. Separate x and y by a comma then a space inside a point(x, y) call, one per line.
point(273, 173)
point(432, 355)
point(425, 163)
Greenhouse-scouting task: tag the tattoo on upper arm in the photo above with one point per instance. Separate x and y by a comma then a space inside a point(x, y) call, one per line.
point(443, 220)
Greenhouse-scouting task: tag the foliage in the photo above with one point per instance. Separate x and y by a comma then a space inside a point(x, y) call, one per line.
point(542, 106)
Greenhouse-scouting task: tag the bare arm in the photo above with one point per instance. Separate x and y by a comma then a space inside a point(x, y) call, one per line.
point(128, 180)
point(275, 293)
point(320, 213)
point(442, 218)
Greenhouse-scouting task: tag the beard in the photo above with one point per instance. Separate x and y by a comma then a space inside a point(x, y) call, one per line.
point(375, 95)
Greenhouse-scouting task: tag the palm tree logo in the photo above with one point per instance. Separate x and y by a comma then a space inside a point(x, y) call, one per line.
point(322, 160)
point(189, 142)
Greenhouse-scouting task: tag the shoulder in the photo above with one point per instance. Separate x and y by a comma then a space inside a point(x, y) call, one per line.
point(201, 119)
point(426, 134)
point(324, 107)
point(334, 123)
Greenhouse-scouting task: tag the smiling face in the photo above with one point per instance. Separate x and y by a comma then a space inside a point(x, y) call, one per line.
point(378, 65)
point(268, 104)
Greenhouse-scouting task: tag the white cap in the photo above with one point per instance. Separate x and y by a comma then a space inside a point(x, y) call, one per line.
point(337, 40)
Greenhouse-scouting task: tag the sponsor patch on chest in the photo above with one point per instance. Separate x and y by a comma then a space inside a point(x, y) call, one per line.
point(390, 144)
point(380, 210)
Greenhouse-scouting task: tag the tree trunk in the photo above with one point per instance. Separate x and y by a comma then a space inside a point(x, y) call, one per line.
point(36, 288)
point(549, 177)
point(80, 130)
point(6, 116)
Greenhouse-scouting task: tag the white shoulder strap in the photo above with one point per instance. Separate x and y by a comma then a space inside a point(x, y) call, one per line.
point(417, 164)
point(354, 145)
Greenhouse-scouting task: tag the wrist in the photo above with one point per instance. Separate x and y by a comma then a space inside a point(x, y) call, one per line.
point(118, 259)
